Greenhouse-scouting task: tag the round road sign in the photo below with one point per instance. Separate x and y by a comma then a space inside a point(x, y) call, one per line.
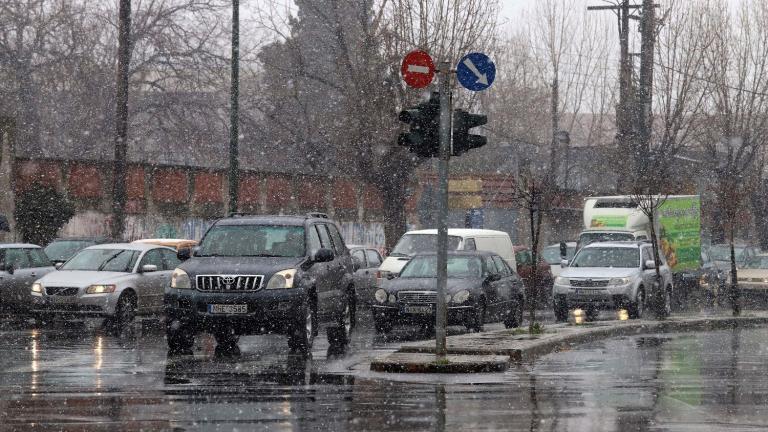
point(417, 69)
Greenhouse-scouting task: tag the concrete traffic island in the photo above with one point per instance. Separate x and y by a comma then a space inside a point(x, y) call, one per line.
point(484, 352)
point(400, 362)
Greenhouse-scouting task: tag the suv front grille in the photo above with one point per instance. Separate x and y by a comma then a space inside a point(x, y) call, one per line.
point(61, 291)
point(417, 296)
point(229, 283)
point(589, 282)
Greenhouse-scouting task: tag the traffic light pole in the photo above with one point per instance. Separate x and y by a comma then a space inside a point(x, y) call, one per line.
point(444, 72)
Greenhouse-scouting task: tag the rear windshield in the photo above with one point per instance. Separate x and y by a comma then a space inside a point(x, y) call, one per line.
point(254, 241)
point(64, 249)
point(412, 244)
point(607, 257)
point(458, 267)
point(111, 260)
point(551, 254)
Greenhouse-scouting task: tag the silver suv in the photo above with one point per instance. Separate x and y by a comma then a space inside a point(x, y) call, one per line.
point(610, 275)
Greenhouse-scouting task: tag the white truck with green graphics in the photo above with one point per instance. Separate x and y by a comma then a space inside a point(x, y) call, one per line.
point(678, 226)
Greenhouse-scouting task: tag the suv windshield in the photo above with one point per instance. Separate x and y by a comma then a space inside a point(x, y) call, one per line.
point(412, 244)
point(757, 262)
point(254, 241)
point(723, 253)
point(458, 267)
point(111, 260)
point(592, 237)
point(607, 257)
point(64, 249)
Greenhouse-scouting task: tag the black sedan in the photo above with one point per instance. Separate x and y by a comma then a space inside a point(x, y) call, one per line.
point(481, 288)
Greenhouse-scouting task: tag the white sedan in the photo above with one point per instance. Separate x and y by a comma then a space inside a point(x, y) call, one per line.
point(116, 281)
point(753, 276)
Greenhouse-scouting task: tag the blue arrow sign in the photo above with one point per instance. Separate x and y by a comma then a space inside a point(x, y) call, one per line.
point(476, 71)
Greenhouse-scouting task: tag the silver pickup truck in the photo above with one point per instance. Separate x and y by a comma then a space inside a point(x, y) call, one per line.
point(609, 275)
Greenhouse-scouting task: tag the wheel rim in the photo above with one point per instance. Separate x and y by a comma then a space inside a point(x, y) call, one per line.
point(347, 319)
point(309, 327)
point(126, 311)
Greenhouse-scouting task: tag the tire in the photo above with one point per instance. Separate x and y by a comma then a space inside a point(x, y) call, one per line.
point(478, 319)
point(339, 335)
point(301, 334)
point(382, 325)
point(179, 337)
point(514, 318)
point(561, 311)
point(636, 308)
point(125, 314)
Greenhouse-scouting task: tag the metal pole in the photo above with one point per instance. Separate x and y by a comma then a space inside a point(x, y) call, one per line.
point(442, 215)
point(234, 168)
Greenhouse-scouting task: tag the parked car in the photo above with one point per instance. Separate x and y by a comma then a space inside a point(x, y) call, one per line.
point(705, 284)
point(177, 244)
point(524, 260)
point(481, 288)
point(610, 275)
point(20, 266)
point(721, 254)
point(425, 241)
point(64, 248)
point(753, 277)
point(551, 255)
point(114, 280)
point(367, 261)
point(263, 274)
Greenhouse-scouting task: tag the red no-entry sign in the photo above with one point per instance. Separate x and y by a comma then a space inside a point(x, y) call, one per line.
point(417, 69)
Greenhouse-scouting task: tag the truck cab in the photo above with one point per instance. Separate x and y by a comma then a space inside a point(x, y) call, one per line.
point(613, 218)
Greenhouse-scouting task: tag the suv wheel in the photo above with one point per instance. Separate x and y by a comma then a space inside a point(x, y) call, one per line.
point(302, 331)
point(637, 307)
point(339, 335)
point(514, 316)
point(561, 310)
point(179, 337)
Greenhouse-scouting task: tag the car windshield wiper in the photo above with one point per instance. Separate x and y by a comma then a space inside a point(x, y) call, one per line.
point(108, 260)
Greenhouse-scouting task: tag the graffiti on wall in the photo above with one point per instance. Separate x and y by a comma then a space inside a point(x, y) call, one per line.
point(365, 234)
point(96, 224)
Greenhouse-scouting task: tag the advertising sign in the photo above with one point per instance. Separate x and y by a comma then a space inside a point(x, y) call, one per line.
point(680, 232)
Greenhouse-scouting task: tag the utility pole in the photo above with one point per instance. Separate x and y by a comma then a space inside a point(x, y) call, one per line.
point(555, 108)
point(644, 111)
point(234, 118)
point(624, 130)
point(442, 216)
point(121, 119)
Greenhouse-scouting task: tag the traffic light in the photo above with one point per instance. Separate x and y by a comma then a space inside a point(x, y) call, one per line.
point(424, 136)
point(463, 141)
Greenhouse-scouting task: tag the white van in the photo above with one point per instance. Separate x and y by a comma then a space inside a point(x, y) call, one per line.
point(414, 242)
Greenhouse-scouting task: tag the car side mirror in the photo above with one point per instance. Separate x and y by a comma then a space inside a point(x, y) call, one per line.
point(391, 276)
point(564, 263)
point(9, 269)
point(58, 265)
point(148, 268)
point(322, 255)
point(650, 264)
point(356, 264)
point(184, 254)
point(493, 277)
point(563, 250)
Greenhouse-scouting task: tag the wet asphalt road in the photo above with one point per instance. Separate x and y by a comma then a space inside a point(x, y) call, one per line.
point(77, 378)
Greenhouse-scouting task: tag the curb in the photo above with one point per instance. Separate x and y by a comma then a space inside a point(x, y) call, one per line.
point(426, 363)
point(517, 348)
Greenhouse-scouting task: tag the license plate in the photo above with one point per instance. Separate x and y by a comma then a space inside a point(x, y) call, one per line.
point(227, 308)
point(417, 309)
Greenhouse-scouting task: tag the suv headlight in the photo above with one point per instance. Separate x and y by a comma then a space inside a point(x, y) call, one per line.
point(100, 289)
point(380, 296)
point(282, 279)
point(180, 280)
point(461, 296)
point(618, 281)
point(37, 289)
point(562, 280)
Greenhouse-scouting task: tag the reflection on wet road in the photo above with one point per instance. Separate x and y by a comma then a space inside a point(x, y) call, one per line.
point(77, 379)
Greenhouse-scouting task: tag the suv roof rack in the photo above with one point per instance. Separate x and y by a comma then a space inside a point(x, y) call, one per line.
point(318, 215)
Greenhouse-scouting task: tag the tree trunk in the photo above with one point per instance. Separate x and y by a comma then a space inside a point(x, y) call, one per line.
point(121, 119)
point(658, 297)
point(735, 292)
point(393, 198)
